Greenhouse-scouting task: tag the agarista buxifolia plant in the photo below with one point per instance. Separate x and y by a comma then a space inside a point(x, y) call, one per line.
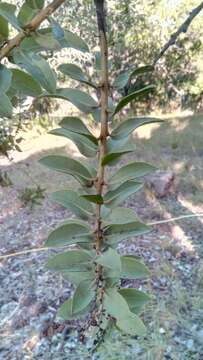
point(93, 265)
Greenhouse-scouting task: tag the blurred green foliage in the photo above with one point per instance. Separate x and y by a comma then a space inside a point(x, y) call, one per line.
point(139, 29)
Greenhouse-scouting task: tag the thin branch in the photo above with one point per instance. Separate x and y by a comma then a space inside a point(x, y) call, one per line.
point(29, 28)
point(182, 217)
point(175, 219)
point(182, 29)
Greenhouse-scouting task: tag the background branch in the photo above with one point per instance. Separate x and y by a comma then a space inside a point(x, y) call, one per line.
point(29, 28)
point(182, 29)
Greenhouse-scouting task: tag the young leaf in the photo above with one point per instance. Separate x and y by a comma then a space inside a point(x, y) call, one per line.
point(110, 259)
point(114, 197)
point(83, 296)
point(97, 199)
point(127, 99)
point(133, 268)
point(76, 125)
point(76, 73)
point(5, 79)
point(71, 200)
point(72, 232)
point(126, 127)
point(38, 67)
point(7, 11)
point(68, 166)
point(131, 171)
point(24, 83)
point(117, 232)
point(135, 299)
point(73, 260)
point(110, 158)
point(5, 106)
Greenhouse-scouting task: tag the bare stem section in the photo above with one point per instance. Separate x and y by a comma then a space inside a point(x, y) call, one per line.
point(104, 113)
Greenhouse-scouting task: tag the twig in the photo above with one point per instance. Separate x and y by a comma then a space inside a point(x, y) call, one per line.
point(182, 29)
point(29, 28)
point(175, 219)
point(23, 252)
point(150, 224)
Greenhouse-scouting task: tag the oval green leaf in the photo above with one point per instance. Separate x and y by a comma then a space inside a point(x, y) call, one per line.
point(84, 145)
point(132, 268)
point(119, 215)
point(24, 83)
point(135, 299)
point(84, 102)
point(110, 259)
point(7, 11)
point(76, 73)
point(117, 232)
point(82, 297)
point(68, 166)
point(4, 31)
point(72, 232)
point(73, 260)
point(110, 158)
point(136, 94)
point(71, 200)
point(5, 106)
point(122, 79)
point(65, 311)
point(74, 124)
point(114, 197)
point(126, 127)
point(131, 325)
point(5, 78)
point(38, 67)
point(76, 277)
point(131, 171)
point(97, 199)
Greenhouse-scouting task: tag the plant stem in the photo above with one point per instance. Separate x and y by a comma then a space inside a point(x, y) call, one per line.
point(104, 113)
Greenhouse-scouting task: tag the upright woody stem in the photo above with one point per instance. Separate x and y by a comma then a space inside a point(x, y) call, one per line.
point(104, 113)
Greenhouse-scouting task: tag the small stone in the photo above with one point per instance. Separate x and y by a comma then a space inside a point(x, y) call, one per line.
point(162, 331)
point(162, 183)
point(37, 309)
point(31, 343)
point(190, 344)
point(200, 336)
point(19, 321)
point(28, 299)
